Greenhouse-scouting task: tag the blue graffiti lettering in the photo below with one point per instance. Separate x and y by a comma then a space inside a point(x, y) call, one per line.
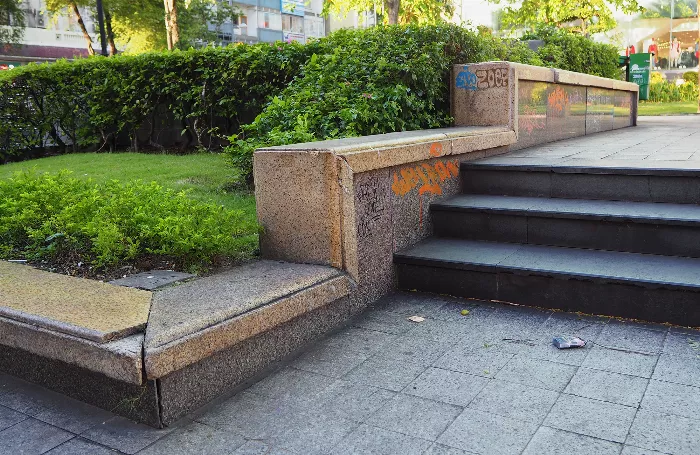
point(466, 80)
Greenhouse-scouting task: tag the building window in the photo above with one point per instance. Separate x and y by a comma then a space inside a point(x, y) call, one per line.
point(269, 20)
point(241, 23)
point(294, 24)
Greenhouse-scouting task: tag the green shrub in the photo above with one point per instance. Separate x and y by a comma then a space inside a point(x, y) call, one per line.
point(665, 91)
point(57, 217)
point(656, 77)
point(691, 76)
point(100, 103)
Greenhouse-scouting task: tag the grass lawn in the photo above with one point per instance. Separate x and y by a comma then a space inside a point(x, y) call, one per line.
point(205, 175)
point(671, 108)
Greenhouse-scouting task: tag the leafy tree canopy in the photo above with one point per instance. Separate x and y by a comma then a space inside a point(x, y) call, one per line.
point(583, 16)
point(11, 14)
point(681, 8)
point(409, 11)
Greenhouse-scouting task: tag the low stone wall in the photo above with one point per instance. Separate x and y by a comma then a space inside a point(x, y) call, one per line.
point(352, 203)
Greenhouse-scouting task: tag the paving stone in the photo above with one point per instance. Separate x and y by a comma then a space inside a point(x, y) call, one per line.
point(387, 322)
point(537, 373)
point(385, 373)
point(631, 363)
point(196, 439)
point(8, 383)
point(420, 351)
point(310, 433)
point(607, 386)
point(671, 398)
point(291, 384)
point(415, 416)
point(682, 344)
point(437, 330)
point(484, 362)
point(260, 448)
point(451, 311)
point(360, 340)
point(153, 279)
point(72, 415)
point(591, 417)
point(30, 437)
point(681, 370)
point(632, 337)
point(517, 401)
point(351, 400)
point(124, 435)
point(630, 450)
point(77, 446)
point(376, 441)
point(551, 441)
point(481, 432)
point(665, 433)
point(446, 386)
point(406, 303)
point(544, 350)
point(334, 361)
point(29, 399)
point(8, 417)
point(440, 449)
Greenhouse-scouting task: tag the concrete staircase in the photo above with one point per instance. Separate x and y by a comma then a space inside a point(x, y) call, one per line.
point(619, 241)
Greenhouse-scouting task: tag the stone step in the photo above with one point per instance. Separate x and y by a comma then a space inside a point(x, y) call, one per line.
point(614, 181)
point(640, 227)
point(641, 286)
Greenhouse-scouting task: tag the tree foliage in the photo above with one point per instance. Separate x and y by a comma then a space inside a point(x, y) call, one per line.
point(11, 14)
point(662, 8)
point(583, 16)
point(395, 11)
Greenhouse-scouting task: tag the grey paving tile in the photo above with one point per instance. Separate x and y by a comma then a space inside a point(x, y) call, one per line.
point(78, 446)
point(415, 416)
point(125, 435)
point(29, 399)
point(630, 450)
point(552, 441)
point(387, 322)
point(589, 417)
point(483, 362)
point(437, 330)
point(440, 449)
point(196, 439)
point(631, 363)
point(334, 361)
point(678, 369)
point(8, 383)
point(291, 384)
point(632, 337)
point(446, 386)
point(9, 417)
point(606, 386)
point(406, 303)
point(310, 433)
point(259, 448)
point(385, 373)
point(682, 344)
point(417, 350)
point(72, 415)
point(671, 398)
point(544, 350)
point(30, 437)
point(376, 441)
point(451, 311)
point(359, 339)
point(517, 401)
point(351, 400)
point(665, 433)
point(538, 373)
point(481, 432)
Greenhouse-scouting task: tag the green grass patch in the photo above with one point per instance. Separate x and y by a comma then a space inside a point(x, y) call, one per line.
point(108, 210)
point(668, 108)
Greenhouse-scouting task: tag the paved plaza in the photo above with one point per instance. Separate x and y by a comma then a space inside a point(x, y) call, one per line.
point(482, 381)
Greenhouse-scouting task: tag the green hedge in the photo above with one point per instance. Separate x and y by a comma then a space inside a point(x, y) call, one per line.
point(664, 91)
point(100, 103)
point(59, 218)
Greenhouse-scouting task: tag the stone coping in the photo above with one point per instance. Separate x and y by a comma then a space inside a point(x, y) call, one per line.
point(83, 308)
point(542, 74)
point(199, 318)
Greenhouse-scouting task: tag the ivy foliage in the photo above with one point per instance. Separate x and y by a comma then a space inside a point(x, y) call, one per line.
point(57, 217)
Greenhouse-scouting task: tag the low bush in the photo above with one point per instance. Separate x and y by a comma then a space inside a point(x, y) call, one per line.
point(57, 217)
point(691, 76)
point(664, 91)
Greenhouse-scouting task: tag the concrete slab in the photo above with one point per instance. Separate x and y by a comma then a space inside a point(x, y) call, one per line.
point(84, 308)
point(153, 279)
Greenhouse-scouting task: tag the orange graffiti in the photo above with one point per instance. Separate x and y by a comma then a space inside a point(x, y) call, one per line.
point(436, 149)
point(426, 177)
point(558, 99)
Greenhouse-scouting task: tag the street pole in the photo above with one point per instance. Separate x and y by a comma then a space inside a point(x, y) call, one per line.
point(101, 22)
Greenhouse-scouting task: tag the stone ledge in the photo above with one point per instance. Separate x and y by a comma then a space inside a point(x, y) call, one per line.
point(120, 360)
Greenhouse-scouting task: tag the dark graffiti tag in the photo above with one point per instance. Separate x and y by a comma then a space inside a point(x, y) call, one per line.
point(372, 203)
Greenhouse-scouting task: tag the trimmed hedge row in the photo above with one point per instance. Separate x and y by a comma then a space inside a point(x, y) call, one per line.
point(353, 82)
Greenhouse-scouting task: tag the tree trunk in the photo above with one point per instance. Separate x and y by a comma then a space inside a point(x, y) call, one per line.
point(86, 35)
point(110, 33)
point(171, 28)
point(392, 10)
